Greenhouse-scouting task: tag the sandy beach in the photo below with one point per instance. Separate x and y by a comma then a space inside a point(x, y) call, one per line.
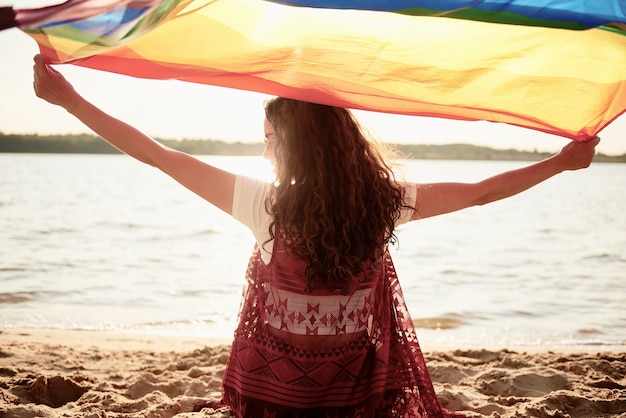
point(53, 373)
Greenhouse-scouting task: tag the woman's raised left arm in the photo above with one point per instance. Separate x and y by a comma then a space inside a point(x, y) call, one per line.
point(439, 198)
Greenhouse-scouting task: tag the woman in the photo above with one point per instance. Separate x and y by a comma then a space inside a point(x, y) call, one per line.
point(323, 329)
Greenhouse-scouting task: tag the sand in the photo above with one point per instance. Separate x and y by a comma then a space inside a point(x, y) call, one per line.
point(49, 373)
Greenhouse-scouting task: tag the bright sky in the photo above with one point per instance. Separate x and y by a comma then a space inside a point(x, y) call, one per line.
point(177, 110)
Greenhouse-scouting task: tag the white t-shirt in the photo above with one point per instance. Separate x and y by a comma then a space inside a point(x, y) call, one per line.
point(249, 209)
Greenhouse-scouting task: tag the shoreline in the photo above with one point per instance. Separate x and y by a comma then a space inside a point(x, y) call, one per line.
point(137, 340)
point(72, 373)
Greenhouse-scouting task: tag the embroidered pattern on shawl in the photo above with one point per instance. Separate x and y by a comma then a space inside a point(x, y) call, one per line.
point(381, 374)
point(328, 315)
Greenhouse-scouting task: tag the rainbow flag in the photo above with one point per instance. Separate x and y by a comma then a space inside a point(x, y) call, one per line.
point(557, 66)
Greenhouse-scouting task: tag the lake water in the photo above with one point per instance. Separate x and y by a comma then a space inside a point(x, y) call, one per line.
point(102, 242)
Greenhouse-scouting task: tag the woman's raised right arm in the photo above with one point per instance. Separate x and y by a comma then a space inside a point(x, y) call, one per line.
point(209, 182)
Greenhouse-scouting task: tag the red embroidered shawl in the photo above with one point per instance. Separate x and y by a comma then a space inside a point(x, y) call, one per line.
point(380, 374)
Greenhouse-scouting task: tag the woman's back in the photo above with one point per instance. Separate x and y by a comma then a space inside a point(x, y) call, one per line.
point(321, 352)
point(368, 366)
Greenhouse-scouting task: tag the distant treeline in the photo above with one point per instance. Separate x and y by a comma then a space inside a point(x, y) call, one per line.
point(90, 144)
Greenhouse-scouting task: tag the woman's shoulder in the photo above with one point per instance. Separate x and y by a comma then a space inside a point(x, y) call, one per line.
point(251, 183)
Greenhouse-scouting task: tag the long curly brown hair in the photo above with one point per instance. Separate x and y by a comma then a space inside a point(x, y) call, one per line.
point(334, 195)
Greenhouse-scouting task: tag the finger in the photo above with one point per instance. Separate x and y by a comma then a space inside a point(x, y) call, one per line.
point(41, 65)
point(590, 143)
point(38, 66)
point(591, 140)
